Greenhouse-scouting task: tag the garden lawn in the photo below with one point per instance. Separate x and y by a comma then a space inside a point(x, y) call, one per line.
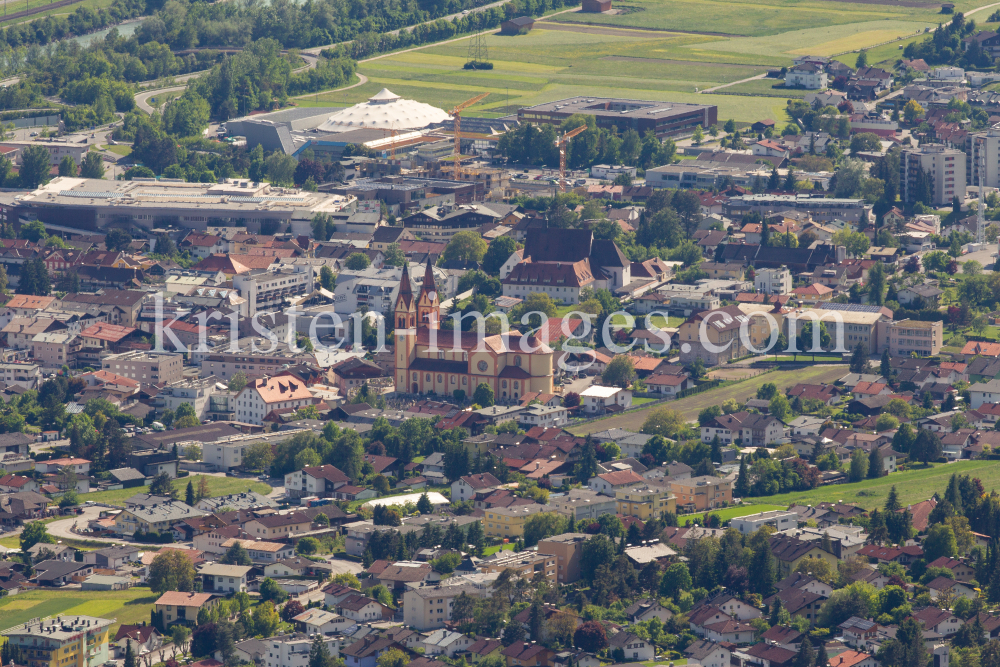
point(489, 551)
point(729, 513)
point(130, 606)
point(217, 486)
point(913, 486)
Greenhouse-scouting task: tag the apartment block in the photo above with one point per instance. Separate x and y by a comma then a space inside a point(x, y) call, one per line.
point(63, 641)
point(194, 391)
point(777, 519)
point(936, 168)
point(773, 281)
point(986, 144)
point(267, 289)
point(567, 550)
point(146, 367)
point(645, 502)
point(428, 607)
point(908, 336)
point(525, 563)
point(702, 493)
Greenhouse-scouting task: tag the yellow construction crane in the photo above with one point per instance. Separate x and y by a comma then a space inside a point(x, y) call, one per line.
point(561, 143)
point(456, 113)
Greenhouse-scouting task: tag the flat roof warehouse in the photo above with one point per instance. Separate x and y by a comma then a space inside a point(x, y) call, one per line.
point(663, 118)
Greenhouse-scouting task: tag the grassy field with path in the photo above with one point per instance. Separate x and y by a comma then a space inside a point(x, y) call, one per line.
point(913, 486)
point(218, 486)
point(741, 391)
point(128, 606)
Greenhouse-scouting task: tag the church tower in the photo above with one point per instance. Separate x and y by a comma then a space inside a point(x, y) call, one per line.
point(428, 305)
point(405, 317)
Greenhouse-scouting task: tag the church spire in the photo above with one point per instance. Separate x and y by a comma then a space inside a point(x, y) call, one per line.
point(428, 304)
point(405, 288)
point(429, 284)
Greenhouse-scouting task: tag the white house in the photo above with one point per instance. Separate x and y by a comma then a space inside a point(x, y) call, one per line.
point(596, 399)
point(635, 648)
point(219, 578)
point(363, 609)
point(773, 281)
point(984, 392)
point(319, 621)
point(465, 488)
point(446, 642)
point(806, 75)
point(544, 416)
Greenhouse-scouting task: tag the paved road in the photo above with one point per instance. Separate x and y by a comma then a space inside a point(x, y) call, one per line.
point(142, 99)
point(362, 80)
point(62, 529)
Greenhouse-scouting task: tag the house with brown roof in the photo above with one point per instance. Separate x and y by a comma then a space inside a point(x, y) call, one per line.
point(920, 513)
point(527, 654)
point(264, 395)
point(181, 607)
point(937, 620)
point(768, 655)
point(363, 609)
point(465, 488)
point(610, 482)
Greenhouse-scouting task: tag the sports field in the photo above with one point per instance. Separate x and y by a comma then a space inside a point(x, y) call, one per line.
point(729, 513)
point(129, 606)
point(913, 486)
point(741, 391)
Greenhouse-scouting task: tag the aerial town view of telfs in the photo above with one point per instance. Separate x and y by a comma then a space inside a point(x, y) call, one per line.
point(499, 333)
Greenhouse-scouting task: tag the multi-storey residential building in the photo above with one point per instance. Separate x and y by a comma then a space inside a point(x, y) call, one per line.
point(278, 526)
point(219, 578)
point(567, 550)
point(319, 481)
point(508, 522)
point(750, 428)
point(63, 641)
point(267, 289)
point(157, 517)
point(180, 607)
point(933, 169)
point(987, 145)
point(261, 551)
point(55, 349)
point(583, 504)
point(196, 392)
point(22, 375)
point(525, 563)
point(597, 400)
point(428, 607)
point(773, 281)
point(908, 336)
point(777, 519)
point(254, 357)
point(260, 397)
point(645, 502)
point(146, 367)
point(293, 650)
point(702, 493)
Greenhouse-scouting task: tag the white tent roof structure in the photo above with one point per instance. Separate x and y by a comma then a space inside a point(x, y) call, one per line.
point(387, 111)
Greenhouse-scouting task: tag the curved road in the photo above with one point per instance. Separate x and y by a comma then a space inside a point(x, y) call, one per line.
point(142, 99)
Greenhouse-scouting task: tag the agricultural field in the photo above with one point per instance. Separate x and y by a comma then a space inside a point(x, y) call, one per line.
point(752, 18)
point(690, 406)
point(913, 486)
point(129, 606)
point(218, 486)
point(665, 50)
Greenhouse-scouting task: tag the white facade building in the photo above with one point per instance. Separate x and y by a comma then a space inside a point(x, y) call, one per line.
point(773, 281)
point(599, 399)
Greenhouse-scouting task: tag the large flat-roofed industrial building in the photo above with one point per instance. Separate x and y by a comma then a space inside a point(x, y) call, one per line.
point(665, 119)
point(66, 203)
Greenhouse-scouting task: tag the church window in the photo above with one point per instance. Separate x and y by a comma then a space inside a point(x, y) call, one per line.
point(504, 384)
point(453, 379)
point(414, 376)
point(428, 377)
point(439, 377)
point(517, 361)
point(482, 366)
point(517, 385)
point(465, 380)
